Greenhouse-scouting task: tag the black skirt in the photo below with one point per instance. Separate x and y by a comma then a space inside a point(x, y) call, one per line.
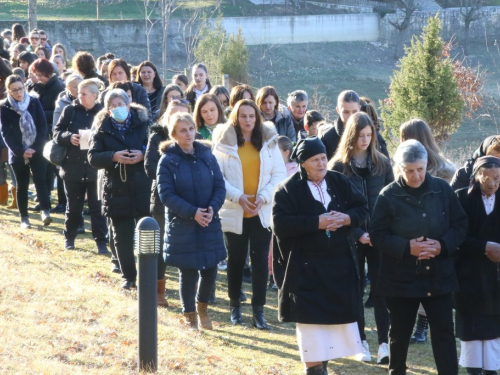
point(474, 326)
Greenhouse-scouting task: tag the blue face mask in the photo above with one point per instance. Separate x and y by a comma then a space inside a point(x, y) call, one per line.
point(120, 114)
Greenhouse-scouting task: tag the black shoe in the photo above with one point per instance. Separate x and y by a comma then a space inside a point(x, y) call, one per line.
point(258, 320)
point(243, 296)
point(475, 371)
point(36, 208)
point(81, 228)
point(236, 317)
point(59, 209)
point(102, 248)
point(369, 303)
point(316, 370)
point(247, 275)
point(69, 244)
point(128, 284)
point(420, 334)
point(115, 268)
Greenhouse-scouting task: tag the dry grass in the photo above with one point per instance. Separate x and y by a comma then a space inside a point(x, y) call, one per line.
point(62, 312)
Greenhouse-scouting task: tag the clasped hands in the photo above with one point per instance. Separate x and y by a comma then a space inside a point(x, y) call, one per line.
point(249, 207)
point(333, 220)
point(204, 216)
point(128, 156)
point(423, 248)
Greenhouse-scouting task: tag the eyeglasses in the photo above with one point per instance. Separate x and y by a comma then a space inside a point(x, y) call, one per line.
point(16, 90)
point(43, 39)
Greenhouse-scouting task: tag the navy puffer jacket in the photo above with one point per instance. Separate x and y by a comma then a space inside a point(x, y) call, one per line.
point(185, 183)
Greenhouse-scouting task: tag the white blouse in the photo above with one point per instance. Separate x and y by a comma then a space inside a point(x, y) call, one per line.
point(489, 203)
point(320, 192)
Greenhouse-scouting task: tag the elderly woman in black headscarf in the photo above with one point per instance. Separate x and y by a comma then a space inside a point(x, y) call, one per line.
point(315, 266)
point(477, 303)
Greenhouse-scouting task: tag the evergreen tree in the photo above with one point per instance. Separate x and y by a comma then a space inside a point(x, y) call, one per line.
point(424, 86)
point(222, 53)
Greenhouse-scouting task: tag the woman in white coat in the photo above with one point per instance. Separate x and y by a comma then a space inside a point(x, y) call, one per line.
point(251, 163)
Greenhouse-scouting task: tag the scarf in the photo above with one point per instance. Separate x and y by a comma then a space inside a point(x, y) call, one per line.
point(477, 165)
point(26, 124)
point(122, 128)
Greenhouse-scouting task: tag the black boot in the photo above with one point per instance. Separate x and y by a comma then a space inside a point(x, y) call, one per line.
point(258, 320)
point(236, 317)
point(474, 371)
point(316, 370)
point(325, 367)
point(420, 334)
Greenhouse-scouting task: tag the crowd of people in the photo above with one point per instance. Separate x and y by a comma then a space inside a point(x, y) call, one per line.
point(321, 207)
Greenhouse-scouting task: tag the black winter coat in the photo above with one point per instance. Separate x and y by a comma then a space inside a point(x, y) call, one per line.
point(11, 132)
point(284, 125)
point(186, 183)
point(330, 136)
point(479, 277)
point(158, 134)
point(317, 275)
point(48, 95)
point(129, 198)
point(399, 217)
point(370, 186)
point(73, 118)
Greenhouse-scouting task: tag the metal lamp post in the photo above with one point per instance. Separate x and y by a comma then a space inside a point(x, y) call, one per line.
point(147, 245)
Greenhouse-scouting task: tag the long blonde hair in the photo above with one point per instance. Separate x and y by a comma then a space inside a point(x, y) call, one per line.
point(345, 150)
point(419, 130)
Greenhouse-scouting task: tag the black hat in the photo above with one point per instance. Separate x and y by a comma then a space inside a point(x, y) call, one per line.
point(307, 148)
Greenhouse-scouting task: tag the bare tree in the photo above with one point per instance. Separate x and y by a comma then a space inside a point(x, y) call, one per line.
point(470, 11)
point(32, 18)
point(408, 7)
point(149, 10)
point(167, 8)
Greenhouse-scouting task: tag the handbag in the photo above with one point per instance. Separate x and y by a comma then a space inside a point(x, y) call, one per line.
point(55, 153)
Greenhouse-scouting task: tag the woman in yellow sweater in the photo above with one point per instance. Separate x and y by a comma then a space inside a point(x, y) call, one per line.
point(250, 160)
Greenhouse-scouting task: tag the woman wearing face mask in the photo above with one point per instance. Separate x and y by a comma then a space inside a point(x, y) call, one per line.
point(24, 130)
point(80, 179)
point(208, 113)
point(117, 145)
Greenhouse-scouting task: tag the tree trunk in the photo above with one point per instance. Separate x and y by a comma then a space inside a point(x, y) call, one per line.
point(467, 36)
point(398, 50)
point(97, 9)
point(32, 20)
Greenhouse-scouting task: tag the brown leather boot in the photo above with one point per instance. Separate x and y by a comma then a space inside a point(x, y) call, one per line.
point(13, 204)
point(161, 293)
point(202, 310)
point(4, 194)
point(191, 320)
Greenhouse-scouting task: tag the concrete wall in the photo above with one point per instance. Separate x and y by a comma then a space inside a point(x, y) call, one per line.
point(306, 29)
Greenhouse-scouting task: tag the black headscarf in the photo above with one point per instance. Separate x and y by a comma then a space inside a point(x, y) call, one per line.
point(478, 164)
point(481, 151)
point(307, 148)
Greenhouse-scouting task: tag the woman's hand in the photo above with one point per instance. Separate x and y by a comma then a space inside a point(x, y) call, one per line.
point(365, 239)
point(338, 220)
point(247, 206)
point(28, 153)
point(135, 156)
point(203, 216)
point(424, 249)
point(75, 139)
point(492, 251)
point(121, 157)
